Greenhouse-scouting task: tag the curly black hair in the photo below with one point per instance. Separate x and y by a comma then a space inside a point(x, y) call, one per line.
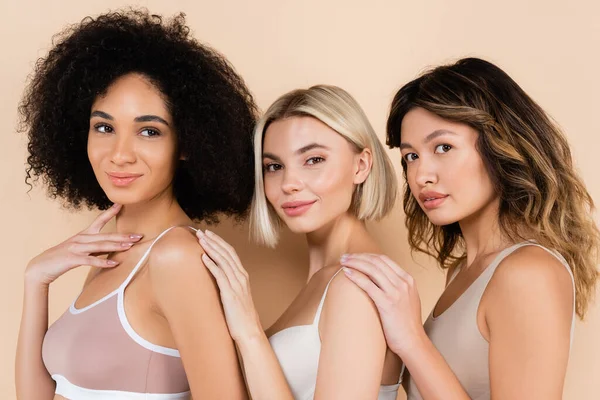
point(213, 111)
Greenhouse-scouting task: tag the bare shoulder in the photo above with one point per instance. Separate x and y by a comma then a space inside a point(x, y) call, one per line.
point(177, 256)
point(348, 308)
point(176, 244)
point(343, 291)
point(532, 278)
point(535, 268)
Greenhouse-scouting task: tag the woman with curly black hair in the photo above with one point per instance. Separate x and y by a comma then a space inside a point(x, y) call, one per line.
point(129, 114)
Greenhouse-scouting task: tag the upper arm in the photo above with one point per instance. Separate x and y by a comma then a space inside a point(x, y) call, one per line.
point(353, 345)
point(529, 311)
point(187, 296)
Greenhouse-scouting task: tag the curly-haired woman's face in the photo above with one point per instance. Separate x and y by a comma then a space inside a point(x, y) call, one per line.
point(445, 171)
point(131, 144)
point(310, 172)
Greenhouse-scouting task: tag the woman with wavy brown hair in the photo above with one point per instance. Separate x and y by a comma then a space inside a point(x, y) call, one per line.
point(492, 194)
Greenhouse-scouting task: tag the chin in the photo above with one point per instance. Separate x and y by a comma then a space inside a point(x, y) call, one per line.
point(439, 219)
point(298, 226)
point(124, 198)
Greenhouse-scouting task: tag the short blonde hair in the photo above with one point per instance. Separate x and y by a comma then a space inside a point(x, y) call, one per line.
point(336, 108)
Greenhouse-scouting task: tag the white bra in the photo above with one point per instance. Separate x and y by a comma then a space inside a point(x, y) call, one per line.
point(298, 349)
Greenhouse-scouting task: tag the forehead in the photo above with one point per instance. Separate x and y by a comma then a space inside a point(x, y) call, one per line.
point(289, 134)
point(132, 94)
point(418, 123)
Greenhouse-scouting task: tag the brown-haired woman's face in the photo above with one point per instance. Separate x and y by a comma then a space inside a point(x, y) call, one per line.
point(131, 142)
point(445, 172)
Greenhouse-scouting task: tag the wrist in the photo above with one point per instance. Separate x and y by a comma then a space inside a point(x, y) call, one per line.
point(414, 345)
point(35, 283)
point(251, 338)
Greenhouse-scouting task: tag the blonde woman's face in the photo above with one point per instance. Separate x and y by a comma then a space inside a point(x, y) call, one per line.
point(445, 172)
point(310, 172)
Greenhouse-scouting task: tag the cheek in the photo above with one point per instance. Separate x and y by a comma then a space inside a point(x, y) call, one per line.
point(161, 159)
point(96, 151)
point(271, 187)
point(333, 183)
point(471, 179)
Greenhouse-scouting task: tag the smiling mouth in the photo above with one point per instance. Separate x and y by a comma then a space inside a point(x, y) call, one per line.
point(122, 180)
point(294, 209)
point(433, 202)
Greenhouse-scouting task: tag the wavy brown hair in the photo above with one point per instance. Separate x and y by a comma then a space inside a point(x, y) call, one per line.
point(527, 157)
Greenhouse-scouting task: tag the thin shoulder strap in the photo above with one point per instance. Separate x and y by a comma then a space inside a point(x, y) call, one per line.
point(564, 262)
point(147, 253)
point(489, 272)
point(320, 308)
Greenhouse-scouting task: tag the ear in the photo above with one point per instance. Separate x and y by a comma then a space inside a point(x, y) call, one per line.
point(364, 163)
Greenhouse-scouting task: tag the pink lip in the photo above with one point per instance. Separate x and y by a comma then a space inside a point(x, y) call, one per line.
point(432, 199)
point(122, 179)
point(296, 208)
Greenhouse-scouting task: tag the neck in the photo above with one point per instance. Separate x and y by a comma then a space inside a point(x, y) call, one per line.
point(151, 217)
point(327, 244)
point(482, 233)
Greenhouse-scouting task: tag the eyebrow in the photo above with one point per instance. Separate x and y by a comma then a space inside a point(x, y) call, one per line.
point(433, 135)
point(301, 150)
point(142, 118)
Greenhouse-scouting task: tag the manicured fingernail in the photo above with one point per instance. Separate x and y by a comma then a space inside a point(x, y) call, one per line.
point(344, 257)
point(126, 244)
point(112, 262)
point(199, 233)
point(209, 233)
point(347, 271)
point(135, 237)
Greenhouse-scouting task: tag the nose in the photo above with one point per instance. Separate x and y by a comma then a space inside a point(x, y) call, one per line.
point(426, 172)
point(123, 151)
point(291, 182)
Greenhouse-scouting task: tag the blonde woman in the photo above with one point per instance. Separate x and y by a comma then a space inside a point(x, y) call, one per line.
point(321, 171)
point(492, 194)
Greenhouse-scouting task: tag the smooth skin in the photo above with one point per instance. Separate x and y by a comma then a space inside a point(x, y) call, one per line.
point(526, 310)
point(173, 300)
point(305, 160)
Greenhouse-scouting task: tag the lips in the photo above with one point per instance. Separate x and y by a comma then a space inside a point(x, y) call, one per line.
point(122, 179)
point(431, 200)
point(296, 208)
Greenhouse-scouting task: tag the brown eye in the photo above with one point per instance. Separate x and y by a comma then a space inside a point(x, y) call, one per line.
point(410, 157)
point(315, 160)
point(443, 148)
point(272, 167)
point(103, 128)
point(149, 132)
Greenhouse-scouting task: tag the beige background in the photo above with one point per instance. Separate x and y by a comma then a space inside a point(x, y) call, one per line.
point(369, 48)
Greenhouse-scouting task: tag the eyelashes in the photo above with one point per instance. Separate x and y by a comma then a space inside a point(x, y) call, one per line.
point(274, 167)
point(103, 128)
point(439, 149)
point(145, 132)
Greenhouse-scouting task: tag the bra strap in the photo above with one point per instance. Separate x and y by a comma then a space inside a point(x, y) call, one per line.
point(147, 253)
point(320, 308)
